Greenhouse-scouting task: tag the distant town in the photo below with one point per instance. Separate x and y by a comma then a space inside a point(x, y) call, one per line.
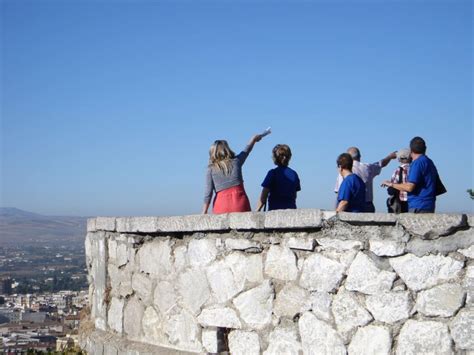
point(43, 285)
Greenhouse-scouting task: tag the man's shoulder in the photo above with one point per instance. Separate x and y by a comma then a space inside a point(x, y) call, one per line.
point(422, 160)
point(369, 168)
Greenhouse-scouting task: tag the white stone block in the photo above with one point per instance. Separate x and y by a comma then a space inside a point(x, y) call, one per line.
point(281, 263)
point(425, 272)
point(468, 284)
point(390, 307)
point(364, 276)
point(460, 240)
point(155, 258)
point(183, 331)
point(222, 282)
point(462, 329)
point(120, 280)
point(201, 252)
point(132, 318)
point(247, 220)
point(348, 312)
point(255, 306)
point(194, 223)
point(382, 247)
point(254, 268)
point(105, 224)
point(319, 303)
point(284, 340)
point(142, 286)
point(440, 301)
point(237, 263)
point(222, 317)
point(122, 255)
point(153, 329)
point(345, 258)
point(371, 340)
point(137, 224)
point(165, 297)
point(210, 340)
point(430, 226)
point(115, 315)
point(290, 301)
point(244, 343)
point(98, 274)
point(91, 225)
point(321, 274)
point(317, 337)
point(367, 217)
point(293, 219)
point(180, 258)
point(193, 289)
point(424, 337)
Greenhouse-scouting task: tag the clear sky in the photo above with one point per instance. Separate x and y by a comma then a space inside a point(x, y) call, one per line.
point(109, 107)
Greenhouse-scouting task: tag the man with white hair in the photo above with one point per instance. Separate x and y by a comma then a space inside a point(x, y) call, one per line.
point(399, 176)
point(367, 172)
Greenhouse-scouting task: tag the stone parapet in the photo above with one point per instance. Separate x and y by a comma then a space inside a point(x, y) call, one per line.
point(279, 282)
point(427, 226)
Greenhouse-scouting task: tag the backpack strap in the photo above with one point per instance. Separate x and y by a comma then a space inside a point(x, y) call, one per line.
point(400, 175)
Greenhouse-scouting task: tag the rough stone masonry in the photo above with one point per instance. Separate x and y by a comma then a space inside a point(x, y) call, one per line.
point(281, 282)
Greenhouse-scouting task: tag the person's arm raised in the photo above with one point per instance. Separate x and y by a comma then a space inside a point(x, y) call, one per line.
point(256, 138)
point(384, 162)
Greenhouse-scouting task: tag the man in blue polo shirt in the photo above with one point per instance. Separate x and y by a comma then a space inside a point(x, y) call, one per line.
point(421, 181)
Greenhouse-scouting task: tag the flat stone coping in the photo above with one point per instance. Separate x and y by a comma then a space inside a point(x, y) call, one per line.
point(272, 220)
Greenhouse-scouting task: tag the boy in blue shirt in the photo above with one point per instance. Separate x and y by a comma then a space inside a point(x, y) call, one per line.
point(281, 184)
point(351, 195)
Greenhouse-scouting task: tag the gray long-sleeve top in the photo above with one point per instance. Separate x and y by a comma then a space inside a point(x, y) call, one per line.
point(217, 181)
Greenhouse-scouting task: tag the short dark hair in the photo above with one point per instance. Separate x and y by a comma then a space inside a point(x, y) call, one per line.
point(281, 154)
point(418, 145)
point(344, 161)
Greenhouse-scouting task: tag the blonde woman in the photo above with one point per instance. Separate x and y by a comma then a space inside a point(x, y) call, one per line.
point(224, 177)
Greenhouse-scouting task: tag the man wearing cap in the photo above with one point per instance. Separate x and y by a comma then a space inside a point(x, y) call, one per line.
point(422, 180)
point(367, 172)
point(400, 176)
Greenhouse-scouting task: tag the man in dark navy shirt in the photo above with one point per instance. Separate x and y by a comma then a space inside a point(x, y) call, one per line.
point(351, 195)
point(421, 181)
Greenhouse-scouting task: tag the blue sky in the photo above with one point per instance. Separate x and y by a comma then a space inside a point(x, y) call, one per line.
point(109, 107)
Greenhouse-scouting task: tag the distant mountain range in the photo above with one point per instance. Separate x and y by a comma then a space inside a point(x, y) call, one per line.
point(18, 226)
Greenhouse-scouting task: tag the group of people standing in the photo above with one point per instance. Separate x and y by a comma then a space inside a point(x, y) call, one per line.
point(413, 187)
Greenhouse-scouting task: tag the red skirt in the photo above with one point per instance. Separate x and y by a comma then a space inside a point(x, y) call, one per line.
point(233, 199)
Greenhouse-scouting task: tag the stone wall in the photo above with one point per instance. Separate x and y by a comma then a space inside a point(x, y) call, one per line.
point(281, 282)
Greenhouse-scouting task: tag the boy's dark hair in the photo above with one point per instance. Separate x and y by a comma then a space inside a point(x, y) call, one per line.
point(281, 154)
point(344, 161)
point(418, 145)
